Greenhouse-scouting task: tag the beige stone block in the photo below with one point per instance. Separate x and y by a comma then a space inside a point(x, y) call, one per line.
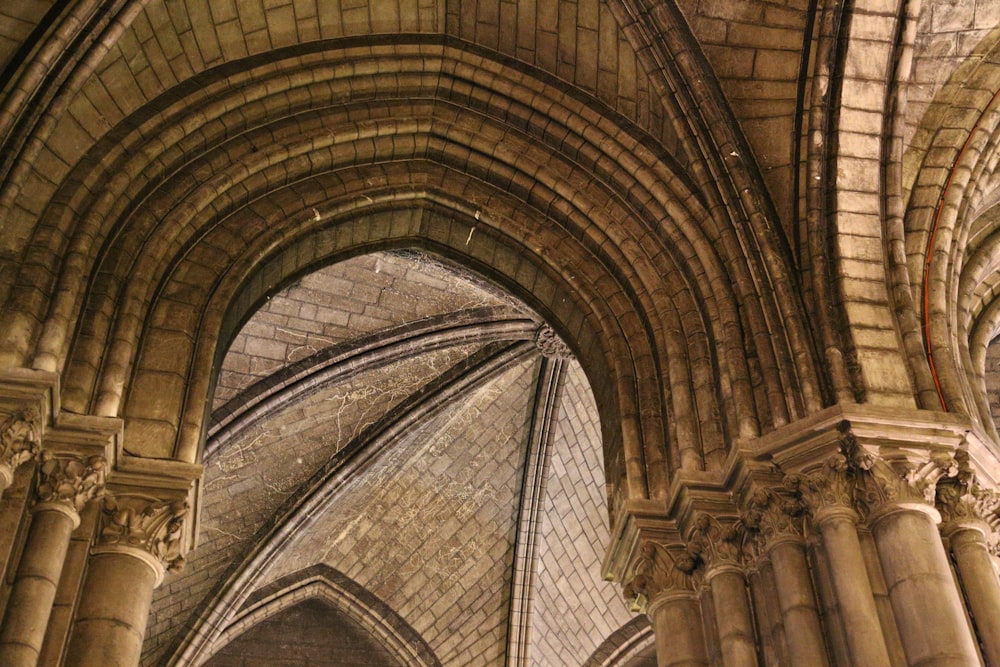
point(953, 16)
point(773, 64)
point(858, 174)
point(884, 370)
point(868, 314)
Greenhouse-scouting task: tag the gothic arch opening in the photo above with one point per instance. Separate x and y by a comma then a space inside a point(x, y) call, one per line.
point(407, 422)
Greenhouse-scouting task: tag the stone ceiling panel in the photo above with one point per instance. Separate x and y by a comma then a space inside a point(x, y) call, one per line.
point(430, 529)
point(574, 610)
point(310, 634)
point(258, 470)
point(342, 302)
point(756, 48)
point(948, 32)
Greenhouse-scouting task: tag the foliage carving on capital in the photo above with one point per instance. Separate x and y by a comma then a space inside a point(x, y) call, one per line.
point(714, 542)
point(954, 493)
point(772, 512)
point(70, 480)
point(855, 478)
point(881, 483)
point(153, 525)
point(19, 438)
point(660, 569)
point(959, 498)
point(831, 484)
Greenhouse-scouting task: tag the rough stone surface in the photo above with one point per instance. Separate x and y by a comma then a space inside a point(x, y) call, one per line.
point(350, 299)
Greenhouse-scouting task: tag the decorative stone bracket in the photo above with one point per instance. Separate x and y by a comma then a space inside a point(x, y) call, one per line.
point(550, 344)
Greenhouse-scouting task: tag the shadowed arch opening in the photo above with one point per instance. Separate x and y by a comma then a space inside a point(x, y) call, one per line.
point(322, 583)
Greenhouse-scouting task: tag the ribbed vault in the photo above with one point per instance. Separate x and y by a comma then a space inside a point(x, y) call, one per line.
point(429, 286)
point(440, 453)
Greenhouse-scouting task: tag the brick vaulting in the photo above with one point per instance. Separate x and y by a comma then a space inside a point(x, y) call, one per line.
point(508, 333)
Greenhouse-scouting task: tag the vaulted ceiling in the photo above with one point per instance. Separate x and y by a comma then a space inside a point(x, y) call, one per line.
point(242, 200)
point(404, 438)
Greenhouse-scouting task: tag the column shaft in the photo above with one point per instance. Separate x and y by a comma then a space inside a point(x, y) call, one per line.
point(677, 625)
point(114, 607)
point(803, 634)
point(34, 588)
point(980, 584)
point(733, 620)
point(922, 590)
point(849, 577)
point(764, 601)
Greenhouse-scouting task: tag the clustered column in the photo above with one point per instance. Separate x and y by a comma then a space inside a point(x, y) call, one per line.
point(64, 484)
point(827, 494)
point(776, 516)
point(719, 546)
point(964, 507)
point(904, 524)
point(698, 588)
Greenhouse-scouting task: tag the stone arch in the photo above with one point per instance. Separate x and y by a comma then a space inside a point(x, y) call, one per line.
point(322, 582)
point(851, 233)
point(633, 639)
point(951, 227)
point(576, 183)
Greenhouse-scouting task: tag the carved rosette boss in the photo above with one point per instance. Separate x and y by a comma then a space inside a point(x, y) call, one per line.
point(550, 345)
point(148, 528)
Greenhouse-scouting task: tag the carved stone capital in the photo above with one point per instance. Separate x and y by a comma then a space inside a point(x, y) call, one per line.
point(881, 484)
point(960, 500)
point(771, 513)
point(717, 542)
point(149, 524)
point(830, 484)
point(859, 480)
point(661, 569)
point(20, 439)
point(69, 480)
